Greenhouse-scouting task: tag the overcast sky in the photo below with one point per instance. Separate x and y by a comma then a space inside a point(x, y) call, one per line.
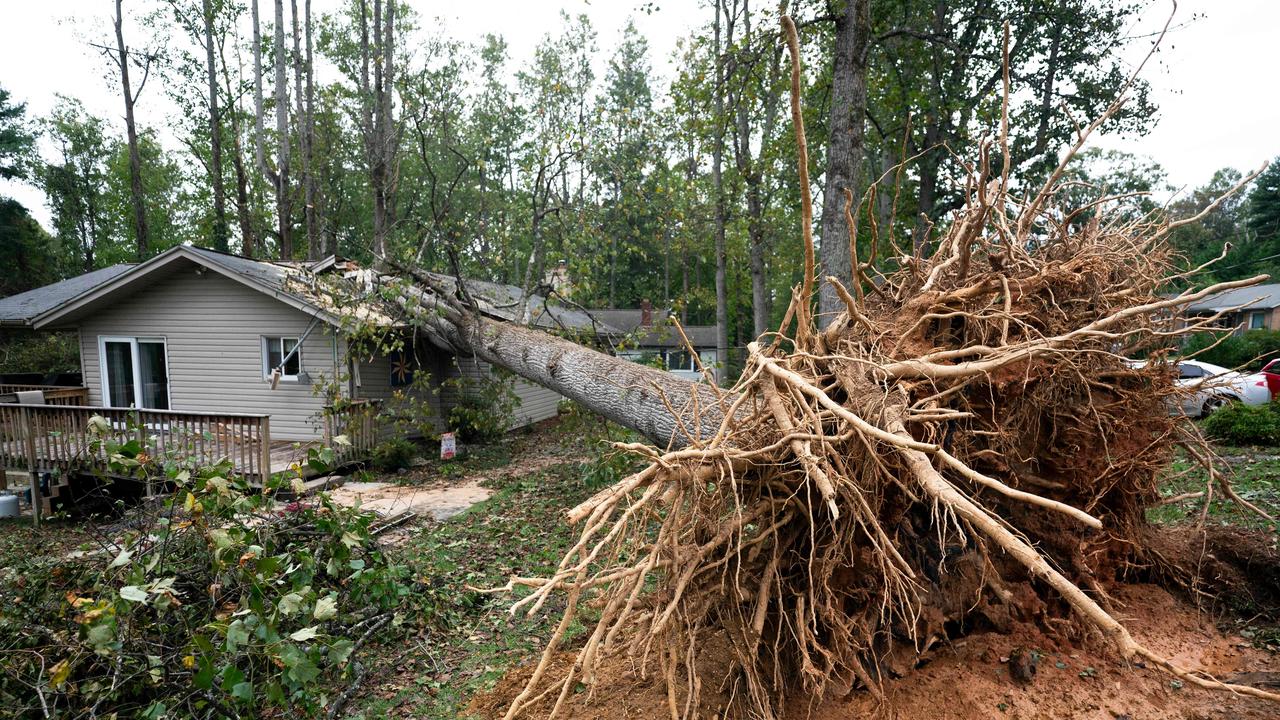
point(1214, 81)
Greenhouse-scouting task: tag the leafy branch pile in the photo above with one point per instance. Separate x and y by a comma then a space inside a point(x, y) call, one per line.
point(966, 442)
point(218, 603)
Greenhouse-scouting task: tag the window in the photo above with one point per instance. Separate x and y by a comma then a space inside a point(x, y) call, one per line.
point(135, 372)
point(680, 360)
point(1186, 372)
point(277, 350)
point(1257, 320)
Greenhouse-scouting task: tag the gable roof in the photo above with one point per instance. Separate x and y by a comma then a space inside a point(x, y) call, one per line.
point(295, 284)
point(1256, 297)
point(21, 309)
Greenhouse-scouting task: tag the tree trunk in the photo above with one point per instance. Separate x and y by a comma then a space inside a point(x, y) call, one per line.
point(752, 174)
point(717, 182)
point(631, 394)
point(844, 149)
point(300, 119)
point(284, 203)
point(215, 136)
point(135, 157)
point(247, 234)
point(259, 113)
point(377, 112)
point(314, 239)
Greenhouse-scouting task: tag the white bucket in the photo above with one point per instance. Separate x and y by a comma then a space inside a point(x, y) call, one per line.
point(8, 506)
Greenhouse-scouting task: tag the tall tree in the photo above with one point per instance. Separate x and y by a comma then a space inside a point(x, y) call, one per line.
point(307, 119)
point(16, 139)
point(259, 131)
point(379, 127)
point(284, 193)
point(844, 148)
point(755, 96)
point(122, 59)
point(722, 20)
point(220, 230)
point(75, 185)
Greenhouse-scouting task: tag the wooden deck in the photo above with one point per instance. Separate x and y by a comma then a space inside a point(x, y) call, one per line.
point(75, 439)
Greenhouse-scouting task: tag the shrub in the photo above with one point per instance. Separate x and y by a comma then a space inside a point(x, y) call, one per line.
point(1250, 350)
point(394, 454)
point(216, 603)
point(485, 408)
point(1240, 424)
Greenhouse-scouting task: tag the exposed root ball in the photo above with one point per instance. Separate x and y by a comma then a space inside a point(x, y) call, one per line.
point(966, 435)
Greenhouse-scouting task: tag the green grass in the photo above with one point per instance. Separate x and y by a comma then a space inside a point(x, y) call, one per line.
point(1255, 476)
point(519, 530)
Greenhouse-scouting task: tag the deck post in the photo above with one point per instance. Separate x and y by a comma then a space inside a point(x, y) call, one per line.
point(29, 438)
point(266, 450)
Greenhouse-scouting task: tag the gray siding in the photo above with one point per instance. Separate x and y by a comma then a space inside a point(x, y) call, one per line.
point(213, 327)
point(373, 382)
point(536, 402)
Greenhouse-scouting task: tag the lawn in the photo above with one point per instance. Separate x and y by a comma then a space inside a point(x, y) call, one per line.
point(519, 530)
point(1253, 472)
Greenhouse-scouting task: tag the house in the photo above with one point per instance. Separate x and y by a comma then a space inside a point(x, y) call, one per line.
point(1248, 308)
point(650, 336)
point(252, 358)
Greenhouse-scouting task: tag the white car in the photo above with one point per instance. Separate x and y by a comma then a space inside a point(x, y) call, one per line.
point(1212, 386)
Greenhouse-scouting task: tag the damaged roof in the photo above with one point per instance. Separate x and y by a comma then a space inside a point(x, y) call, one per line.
point(304, 285)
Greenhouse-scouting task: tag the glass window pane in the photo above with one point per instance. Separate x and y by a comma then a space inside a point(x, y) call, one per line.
point(273, 354)
point(1257, 321)
point(294, 364)
point(119, 374)
point(155, 375)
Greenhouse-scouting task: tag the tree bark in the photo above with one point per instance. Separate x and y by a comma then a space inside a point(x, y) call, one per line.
point(844, 149)
point(137, 197)
point(663, 407)
point(215, 136)
point(284, 202)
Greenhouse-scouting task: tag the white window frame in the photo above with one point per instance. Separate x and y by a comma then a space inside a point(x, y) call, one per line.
point(133, 341)
point(1257, 314)
point(266, 357)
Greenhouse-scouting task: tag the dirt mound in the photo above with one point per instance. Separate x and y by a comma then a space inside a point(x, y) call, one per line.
point(1227, 568)
point(971, 677)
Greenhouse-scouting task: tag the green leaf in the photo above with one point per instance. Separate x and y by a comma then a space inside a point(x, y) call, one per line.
point(289, 604)
point(121, 559)
point(203, 679)
point(237, 634)
point(304, 634)
point(133, 593)
point(340, 650)
point(242, 691)
point(326, 608)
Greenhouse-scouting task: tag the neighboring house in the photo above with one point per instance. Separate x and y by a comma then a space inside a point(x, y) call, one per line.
point(219, 338)
point(1250, 308)
point(650, 336)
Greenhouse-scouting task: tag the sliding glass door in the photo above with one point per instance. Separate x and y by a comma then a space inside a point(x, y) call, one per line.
point(135, 372)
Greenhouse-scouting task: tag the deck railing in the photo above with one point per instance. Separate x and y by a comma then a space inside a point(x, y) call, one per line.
point(358, 421)
point(39, 438)
point(53, 394)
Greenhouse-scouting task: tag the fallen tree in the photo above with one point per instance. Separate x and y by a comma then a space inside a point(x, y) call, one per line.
point(967, 439)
